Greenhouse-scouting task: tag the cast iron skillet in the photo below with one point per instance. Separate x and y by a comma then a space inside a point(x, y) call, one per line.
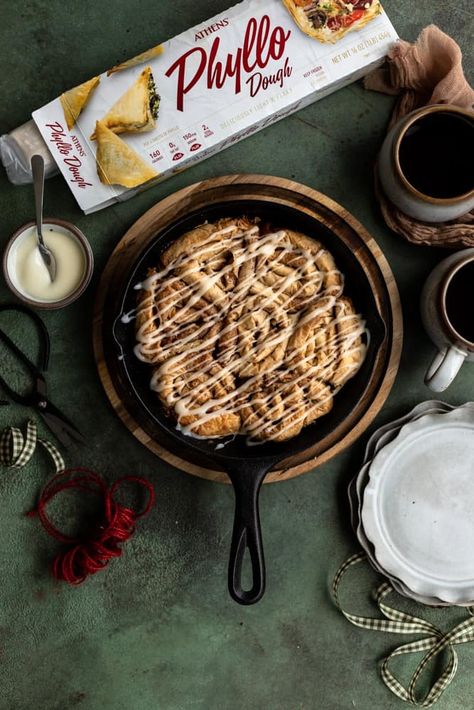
point(245, 465)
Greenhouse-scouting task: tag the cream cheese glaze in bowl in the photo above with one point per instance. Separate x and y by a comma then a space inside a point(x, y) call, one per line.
point(26, 274)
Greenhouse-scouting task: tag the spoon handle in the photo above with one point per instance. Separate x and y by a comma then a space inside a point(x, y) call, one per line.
point(37, 168)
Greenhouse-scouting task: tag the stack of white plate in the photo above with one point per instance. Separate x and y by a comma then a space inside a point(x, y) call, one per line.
point(412, 503)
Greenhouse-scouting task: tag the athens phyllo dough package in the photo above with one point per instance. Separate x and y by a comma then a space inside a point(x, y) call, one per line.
point(183, 100)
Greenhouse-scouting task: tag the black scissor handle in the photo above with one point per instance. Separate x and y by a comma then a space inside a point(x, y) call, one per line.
point(44, 341)
point(43, 355)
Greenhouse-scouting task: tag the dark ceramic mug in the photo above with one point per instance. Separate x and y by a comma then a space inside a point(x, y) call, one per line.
point(396, 183)
point(448, 317)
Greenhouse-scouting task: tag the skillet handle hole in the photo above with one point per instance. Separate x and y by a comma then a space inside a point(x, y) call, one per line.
point(246, 566)
point(244, 571)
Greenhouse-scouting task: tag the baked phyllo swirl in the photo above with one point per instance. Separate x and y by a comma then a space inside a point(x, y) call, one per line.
point(247, 330)
point(117, 163)
point(74, 100)
point(136, 110)
point(329, 20)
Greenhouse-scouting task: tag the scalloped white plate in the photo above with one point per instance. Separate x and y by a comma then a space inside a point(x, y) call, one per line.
point(380, 438)
point(418, 506)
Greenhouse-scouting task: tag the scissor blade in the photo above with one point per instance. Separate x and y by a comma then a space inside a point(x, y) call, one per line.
point(62, 428)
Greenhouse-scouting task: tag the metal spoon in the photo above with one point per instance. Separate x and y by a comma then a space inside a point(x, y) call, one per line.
point(37, 168)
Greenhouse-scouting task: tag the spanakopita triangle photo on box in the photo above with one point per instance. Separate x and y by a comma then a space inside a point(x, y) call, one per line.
point(74, 100)
point(136, 110)
point(117, 163)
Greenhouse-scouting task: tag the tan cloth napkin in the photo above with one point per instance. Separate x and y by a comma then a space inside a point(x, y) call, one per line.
point(426, 72)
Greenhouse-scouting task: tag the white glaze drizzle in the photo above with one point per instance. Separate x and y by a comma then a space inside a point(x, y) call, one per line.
point(274, 265)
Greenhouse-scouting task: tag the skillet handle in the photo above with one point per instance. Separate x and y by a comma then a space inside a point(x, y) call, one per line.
point(247, 534)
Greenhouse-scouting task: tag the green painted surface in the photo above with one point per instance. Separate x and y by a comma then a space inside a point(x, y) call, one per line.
point(157, 630)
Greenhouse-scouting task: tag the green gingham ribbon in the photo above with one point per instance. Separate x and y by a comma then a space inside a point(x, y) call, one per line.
point(16, 450)
point(398, 622)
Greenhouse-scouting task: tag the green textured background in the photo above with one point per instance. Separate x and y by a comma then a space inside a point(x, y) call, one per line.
point(157, 630)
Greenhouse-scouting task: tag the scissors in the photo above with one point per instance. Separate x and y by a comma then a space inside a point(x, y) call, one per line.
point(62, 428)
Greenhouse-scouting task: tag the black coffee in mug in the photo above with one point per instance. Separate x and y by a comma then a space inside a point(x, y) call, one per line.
point(436, 154)
point(460, 301)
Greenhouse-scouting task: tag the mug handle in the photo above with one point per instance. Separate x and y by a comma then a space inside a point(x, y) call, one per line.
point(444, 368)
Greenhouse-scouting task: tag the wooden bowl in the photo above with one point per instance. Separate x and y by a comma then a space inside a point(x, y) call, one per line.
point(246, 193)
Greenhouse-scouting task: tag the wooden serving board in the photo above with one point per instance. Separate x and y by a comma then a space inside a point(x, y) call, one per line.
point(248, 188)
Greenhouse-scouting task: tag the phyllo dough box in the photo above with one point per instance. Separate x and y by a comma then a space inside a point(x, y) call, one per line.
point(218, 82)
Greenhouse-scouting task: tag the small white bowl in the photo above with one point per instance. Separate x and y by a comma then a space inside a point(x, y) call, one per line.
point(9, 260)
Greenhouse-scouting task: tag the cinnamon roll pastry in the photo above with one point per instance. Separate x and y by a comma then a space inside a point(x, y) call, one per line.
point(309, 347)
point(295, 271)
point(169, 319)
point(211, 256)
point(254, 337)
point(280, 405)
point(247, 330)
point(351, 349)
point(194, 389)
point(319, 399)
point(275, 411)
point(328, 343)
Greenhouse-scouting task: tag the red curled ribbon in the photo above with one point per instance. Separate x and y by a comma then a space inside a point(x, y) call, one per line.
point(86, 556)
